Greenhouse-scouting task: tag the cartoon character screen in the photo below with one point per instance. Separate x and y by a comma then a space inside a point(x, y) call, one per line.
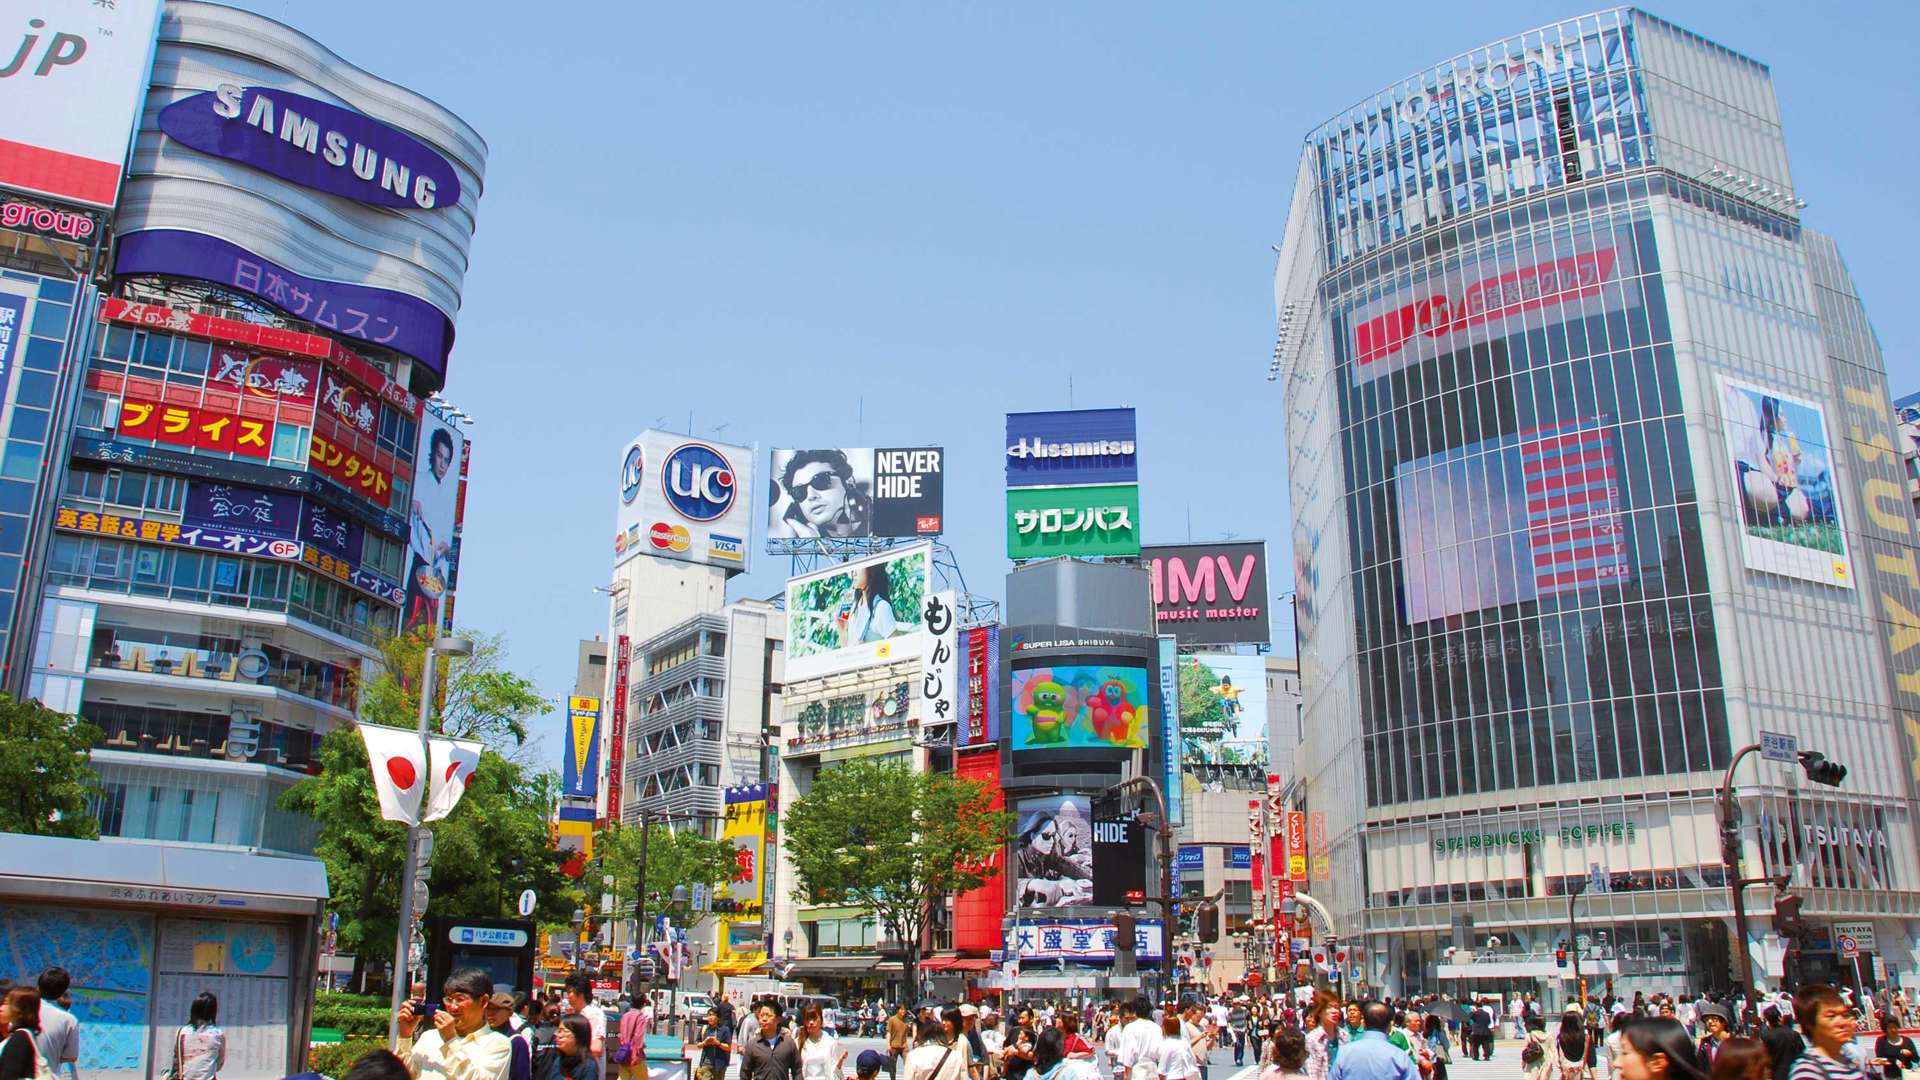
point(1080, 705)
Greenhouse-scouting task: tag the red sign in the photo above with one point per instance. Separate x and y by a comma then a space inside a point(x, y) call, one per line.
point(349, 404)
point(1283, 888)
point(204, 427)
point(1259, 874)
point(1548, 284)
point(977, 685)
point(358, 475)
point(1297, 845)
point(977, 913)
point(619, 733)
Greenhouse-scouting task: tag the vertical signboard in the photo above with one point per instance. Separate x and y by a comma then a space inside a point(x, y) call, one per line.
point(580, 771)
point(746, 829)
point(1317, 856)
point(1072, 484)
point(940, 661)
point(617, 750)
point(436, 498)
point(978, 913)
point(1119, 862)
point(980, 698)
point(1297, 845)
point(69, 97)
point(1172, 752)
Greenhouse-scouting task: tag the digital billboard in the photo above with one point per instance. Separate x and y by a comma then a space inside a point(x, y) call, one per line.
point(1102, 519)
point(436, 497)
point(1053, 852)
point(855, 491)
point(1223, 709)
point(858, 613)
point(1119, 862)
point(1512, 519)
point(684, 499)
point(70, 95)
point(1783, 478)
point(1058, 706)
point(580, 767)
point(1074, 447)
point(1210, 594)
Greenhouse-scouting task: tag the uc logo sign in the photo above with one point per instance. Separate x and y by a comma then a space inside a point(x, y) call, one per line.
point(630, 472)
point(698, 481)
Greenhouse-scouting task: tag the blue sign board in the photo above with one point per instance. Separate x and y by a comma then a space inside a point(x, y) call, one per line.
point(1240, 857)
point(1190, 857)
point(237, 506)
point(1083, 446)
point(13, 330)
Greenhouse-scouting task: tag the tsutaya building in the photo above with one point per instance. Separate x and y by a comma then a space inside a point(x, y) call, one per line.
point(1594, 483)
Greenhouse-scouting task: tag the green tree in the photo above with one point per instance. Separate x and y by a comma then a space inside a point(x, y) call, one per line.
point(494, 844)
point(673, 857)
point(45, 777)
point(884, 838)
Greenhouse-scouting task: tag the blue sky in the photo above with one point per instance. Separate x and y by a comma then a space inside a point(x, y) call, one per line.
point(888, 224)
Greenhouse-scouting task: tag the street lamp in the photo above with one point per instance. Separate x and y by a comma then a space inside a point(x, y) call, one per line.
point(1819, 770)
point(1573, 943)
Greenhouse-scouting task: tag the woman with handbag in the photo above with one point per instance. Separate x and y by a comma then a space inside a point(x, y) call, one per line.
point(19, 1056)
point(200, 1047)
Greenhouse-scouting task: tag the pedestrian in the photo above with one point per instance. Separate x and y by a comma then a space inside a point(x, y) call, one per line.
point(770, 1053)
point(630, 1041)
point(1536, 1054)
point(199, 1047)
point(1238, 1020)
point(1071, 1044)
point(715, 1046)
point(580, 1000)
point(1439, 1046)
point(1657, 1048)
point(1893, 1052)
point(460, 1045)
point(1372, 1056)
point(571, 1041)
point(865, 1067)
point(1138, 1058)
point(20, 1055)
point(1741, 1059)
point(1326, 1038)
point(59, 1038)
point(935, 1057)
point(1828, 1025)
point(501, 1018)
point(1573, 1046)
point(899, 1039)
point(1286, 1055)
point(1174, 1058)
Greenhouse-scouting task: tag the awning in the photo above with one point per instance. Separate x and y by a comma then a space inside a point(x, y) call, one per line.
point(955, 963)
point(833, 965)
point(746, 965)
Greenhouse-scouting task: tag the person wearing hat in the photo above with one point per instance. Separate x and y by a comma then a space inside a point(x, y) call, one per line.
point(867, 1065)
point(501, 1018)
point(976, 1046)
point(1716, 1021)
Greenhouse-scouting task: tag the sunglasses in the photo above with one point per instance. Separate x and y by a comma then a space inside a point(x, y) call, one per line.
point(820, 482)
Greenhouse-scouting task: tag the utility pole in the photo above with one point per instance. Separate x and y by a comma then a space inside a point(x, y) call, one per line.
point(1573, 943)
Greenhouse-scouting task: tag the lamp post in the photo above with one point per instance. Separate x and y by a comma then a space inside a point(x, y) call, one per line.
point(1573, 944)
point(403, 937)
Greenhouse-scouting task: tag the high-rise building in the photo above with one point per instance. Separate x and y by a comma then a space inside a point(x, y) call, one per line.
point(1588, 450)
point(250, 479)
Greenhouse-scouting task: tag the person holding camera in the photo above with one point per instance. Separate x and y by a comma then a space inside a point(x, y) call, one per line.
point(460, 1045)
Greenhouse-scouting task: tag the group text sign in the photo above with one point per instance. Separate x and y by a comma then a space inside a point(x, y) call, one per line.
point(1099, 519)
point(1082, 446)
point(1210, 594)
point(856, 492)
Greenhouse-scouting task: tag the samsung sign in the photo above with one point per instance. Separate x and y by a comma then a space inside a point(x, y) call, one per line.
point(314, 144)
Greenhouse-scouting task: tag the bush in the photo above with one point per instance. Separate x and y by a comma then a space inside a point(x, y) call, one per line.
point(341, 997)
point(353, 1019)
point(334, 1059)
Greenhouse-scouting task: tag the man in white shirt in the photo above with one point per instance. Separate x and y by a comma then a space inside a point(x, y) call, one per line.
point(461, 1046)
point(580, 1000)
point(59, 1036)
point(1139, 1057)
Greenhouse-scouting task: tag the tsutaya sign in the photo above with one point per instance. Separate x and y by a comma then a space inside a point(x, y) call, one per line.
point(314, 144)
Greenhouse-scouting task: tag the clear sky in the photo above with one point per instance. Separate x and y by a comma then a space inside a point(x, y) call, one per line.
point(888, 224)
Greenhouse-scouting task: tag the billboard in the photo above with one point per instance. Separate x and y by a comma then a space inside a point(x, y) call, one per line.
point(70, 95)
point(219, 505)
point(1119, 862)
point(580, 771)
point(978, 913)
point(1166, 662)
point(1210, 594)
point(684, 499)
point(1102, 519)
point(1053, 852)
point(1083, 940)
point(1546, 520)
point(1783, 479)
point(980, 690)
point(1058, 706)
point(436, 495)
point(855, 491)
point(858, 613)
point(940, 660)
point(1077, 447)
point(1223, 709)
point(746, 829)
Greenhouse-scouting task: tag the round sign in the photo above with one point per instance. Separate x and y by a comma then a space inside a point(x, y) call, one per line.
point(630, 473)
point(698, 482)
point(527, 900)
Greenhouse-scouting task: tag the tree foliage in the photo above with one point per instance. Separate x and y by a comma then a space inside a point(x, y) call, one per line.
point(891, 841)
point(45, 777)
point(673, 857)
point(477, 699)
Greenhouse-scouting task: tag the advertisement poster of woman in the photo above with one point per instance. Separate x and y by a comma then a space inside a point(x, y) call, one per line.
point(1783, 479)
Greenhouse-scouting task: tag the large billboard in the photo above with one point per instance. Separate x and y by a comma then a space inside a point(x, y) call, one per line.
point(1223, 709)
point(1053, 852)
point(1102, 519)
point(1210, 594)
point(1783, 478)
point(69, 96)
point(1119, 862)
point(1546, 519)
point(856, 491)
point(436, 497)
point(580, 769)
point(1083, 446)
point(859, 613)
point(1059, 706)
point(684, 499)
point(745, 828)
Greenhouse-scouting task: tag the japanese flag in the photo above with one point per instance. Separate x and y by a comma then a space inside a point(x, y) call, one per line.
point(399, 771)
point(454, 761)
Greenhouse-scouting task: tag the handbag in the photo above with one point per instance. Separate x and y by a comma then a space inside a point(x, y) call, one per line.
point(179, 1051)
point(622, 1053)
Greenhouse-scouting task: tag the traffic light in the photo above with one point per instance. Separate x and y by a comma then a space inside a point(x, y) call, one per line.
point(1820, 770)
point(1207, 922)
point(1786, 916)
point(644, 969)
point(1560, 958)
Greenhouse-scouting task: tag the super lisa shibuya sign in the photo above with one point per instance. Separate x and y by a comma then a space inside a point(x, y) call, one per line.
point(314, 144)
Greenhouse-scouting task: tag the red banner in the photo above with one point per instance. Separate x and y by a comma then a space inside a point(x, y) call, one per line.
point(358, 475)
point(1259, 874)
point(617, 753)
point(349, 404)
point(204, 428)
point(977, 913)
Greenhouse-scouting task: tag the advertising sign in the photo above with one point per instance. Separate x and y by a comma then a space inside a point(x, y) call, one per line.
point(1087, 940)
point(1210, 594)
point(746, 829)
point(126, 527)
point(940, 660)
point(1190, 857)
point(1239, 857)
point(858, 613)
point(1172, 752)
point(436, 490)
point(978, 913)
point(331, 531)
point(1223, 709)
point(1053, 852)
point(208, 427)
point(272, 378)
point(1083, 446)
point(1046, 521)
point(684, 499)
point(70, 95)
point(617, 742)
point(580, 771)
point(1317, 845)
point(855, 491)
point(1862, 934)
point(362, 475)
point(264, 513)
point(980, 696)
point(1297, 845)
point(13, 330)
point(1783, 478)
point(1080, 705)
point(1119, 862)
point(315, 144)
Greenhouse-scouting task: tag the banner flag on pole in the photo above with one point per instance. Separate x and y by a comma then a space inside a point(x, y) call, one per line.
point(454, 762)
point(399, 764)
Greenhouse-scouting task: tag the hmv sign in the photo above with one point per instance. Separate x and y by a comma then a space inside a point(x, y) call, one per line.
point(1210, 594)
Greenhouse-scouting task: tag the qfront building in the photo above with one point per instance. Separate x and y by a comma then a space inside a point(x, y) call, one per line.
point(1595, 483)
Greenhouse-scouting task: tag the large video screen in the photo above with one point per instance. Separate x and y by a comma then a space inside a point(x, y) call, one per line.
point(1507, 520)
point(1223, 709)
point(1080, 705)
point(1783, 478)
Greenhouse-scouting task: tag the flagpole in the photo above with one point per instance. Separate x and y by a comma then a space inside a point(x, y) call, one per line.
point(403, 937)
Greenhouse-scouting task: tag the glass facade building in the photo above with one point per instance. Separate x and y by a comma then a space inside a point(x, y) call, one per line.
point(1583, 505)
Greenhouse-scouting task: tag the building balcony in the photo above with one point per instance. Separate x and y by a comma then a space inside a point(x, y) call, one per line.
point(224, 665)
point(710, 667)
point(198, 800)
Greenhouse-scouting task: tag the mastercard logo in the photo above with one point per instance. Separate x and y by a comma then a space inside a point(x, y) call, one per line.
point(669, 537)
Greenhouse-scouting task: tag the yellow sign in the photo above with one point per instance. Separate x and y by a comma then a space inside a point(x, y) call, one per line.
point(583, 723)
